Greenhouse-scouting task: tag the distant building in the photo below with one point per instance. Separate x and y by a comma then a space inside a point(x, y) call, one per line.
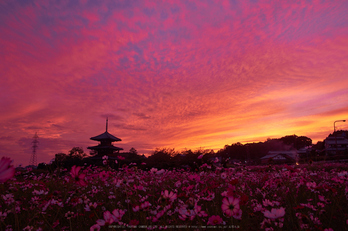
point(336, 143)
point(280, 157)
point(304, 152)
point(105, 147)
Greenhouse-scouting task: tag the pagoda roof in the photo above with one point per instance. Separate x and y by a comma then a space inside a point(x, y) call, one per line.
point(105, 136)
point(105, 147)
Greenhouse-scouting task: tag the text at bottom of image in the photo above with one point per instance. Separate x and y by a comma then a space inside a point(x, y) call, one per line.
point(174, 226)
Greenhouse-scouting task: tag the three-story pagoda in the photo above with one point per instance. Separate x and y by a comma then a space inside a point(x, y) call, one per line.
point(105, 147)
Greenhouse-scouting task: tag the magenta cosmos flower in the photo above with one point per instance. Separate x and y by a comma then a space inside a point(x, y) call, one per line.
point(121, 158)
point(108, 219)
point(230, 206)
point(7, 171)
point(79, 178)
point(117, 214)
point(275, 213)
point(169, 195)
point(215, 220)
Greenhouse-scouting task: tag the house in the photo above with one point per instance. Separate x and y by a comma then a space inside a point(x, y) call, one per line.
point(336, 143)
point(304, 152)
point(280, 157)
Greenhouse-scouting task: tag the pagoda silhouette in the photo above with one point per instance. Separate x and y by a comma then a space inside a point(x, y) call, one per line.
point(105, 146)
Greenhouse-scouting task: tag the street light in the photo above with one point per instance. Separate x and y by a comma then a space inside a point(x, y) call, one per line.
point(335, 133)
point(338, 121)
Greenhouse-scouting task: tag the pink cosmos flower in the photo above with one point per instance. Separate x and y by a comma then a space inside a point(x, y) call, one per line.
point(69, 215)
point(118, 214)
point(108, 219)
point(322, 198)
point(145, 205)
point(210, 196)
point(160, 172)
point(171, 196)
point(230, 206)
point(29, 228)
point(55, 224)
point(79, 178)
point(215, 220)
point(194, 177)
point(238, 214)
point(275, 213)
point(231, 191)
point(267, 202)
point(7, 171)
point(121, 158)
point(133, 222)
point(158, 215)
point(103, 175)
point(136, 208)
point(94, 227)
point(140, 187)
point(183, 213)
point(199, 212)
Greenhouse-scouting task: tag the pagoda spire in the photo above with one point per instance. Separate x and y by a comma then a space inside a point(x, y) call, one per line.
point(107, 123)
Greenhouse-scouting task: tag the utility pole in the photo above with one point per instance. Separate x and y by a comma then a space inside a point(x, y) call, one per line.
point(33, 158)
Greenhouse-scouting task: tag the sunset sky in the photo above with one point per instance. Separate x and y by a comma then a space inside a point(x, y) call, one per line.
point(177, 74)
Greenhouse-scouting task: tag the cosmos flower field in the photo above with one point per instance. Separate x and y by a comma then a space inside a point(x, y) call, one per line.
point(305, 197)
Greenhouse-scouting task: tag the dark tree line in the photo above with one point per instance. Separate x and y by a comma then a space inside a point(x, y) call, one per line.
point(167, 158)
point(234, 153)
point(254, 151)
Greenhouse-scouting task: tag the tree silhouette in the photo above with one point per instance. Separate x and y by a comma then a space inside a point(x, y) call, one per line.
point(77, 152)
point(74, 157)
point(297, 142)
point(161, 158)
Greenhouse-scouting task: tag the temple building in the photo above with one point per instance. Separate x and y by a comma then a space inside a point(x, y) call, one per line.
point(105, 146)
